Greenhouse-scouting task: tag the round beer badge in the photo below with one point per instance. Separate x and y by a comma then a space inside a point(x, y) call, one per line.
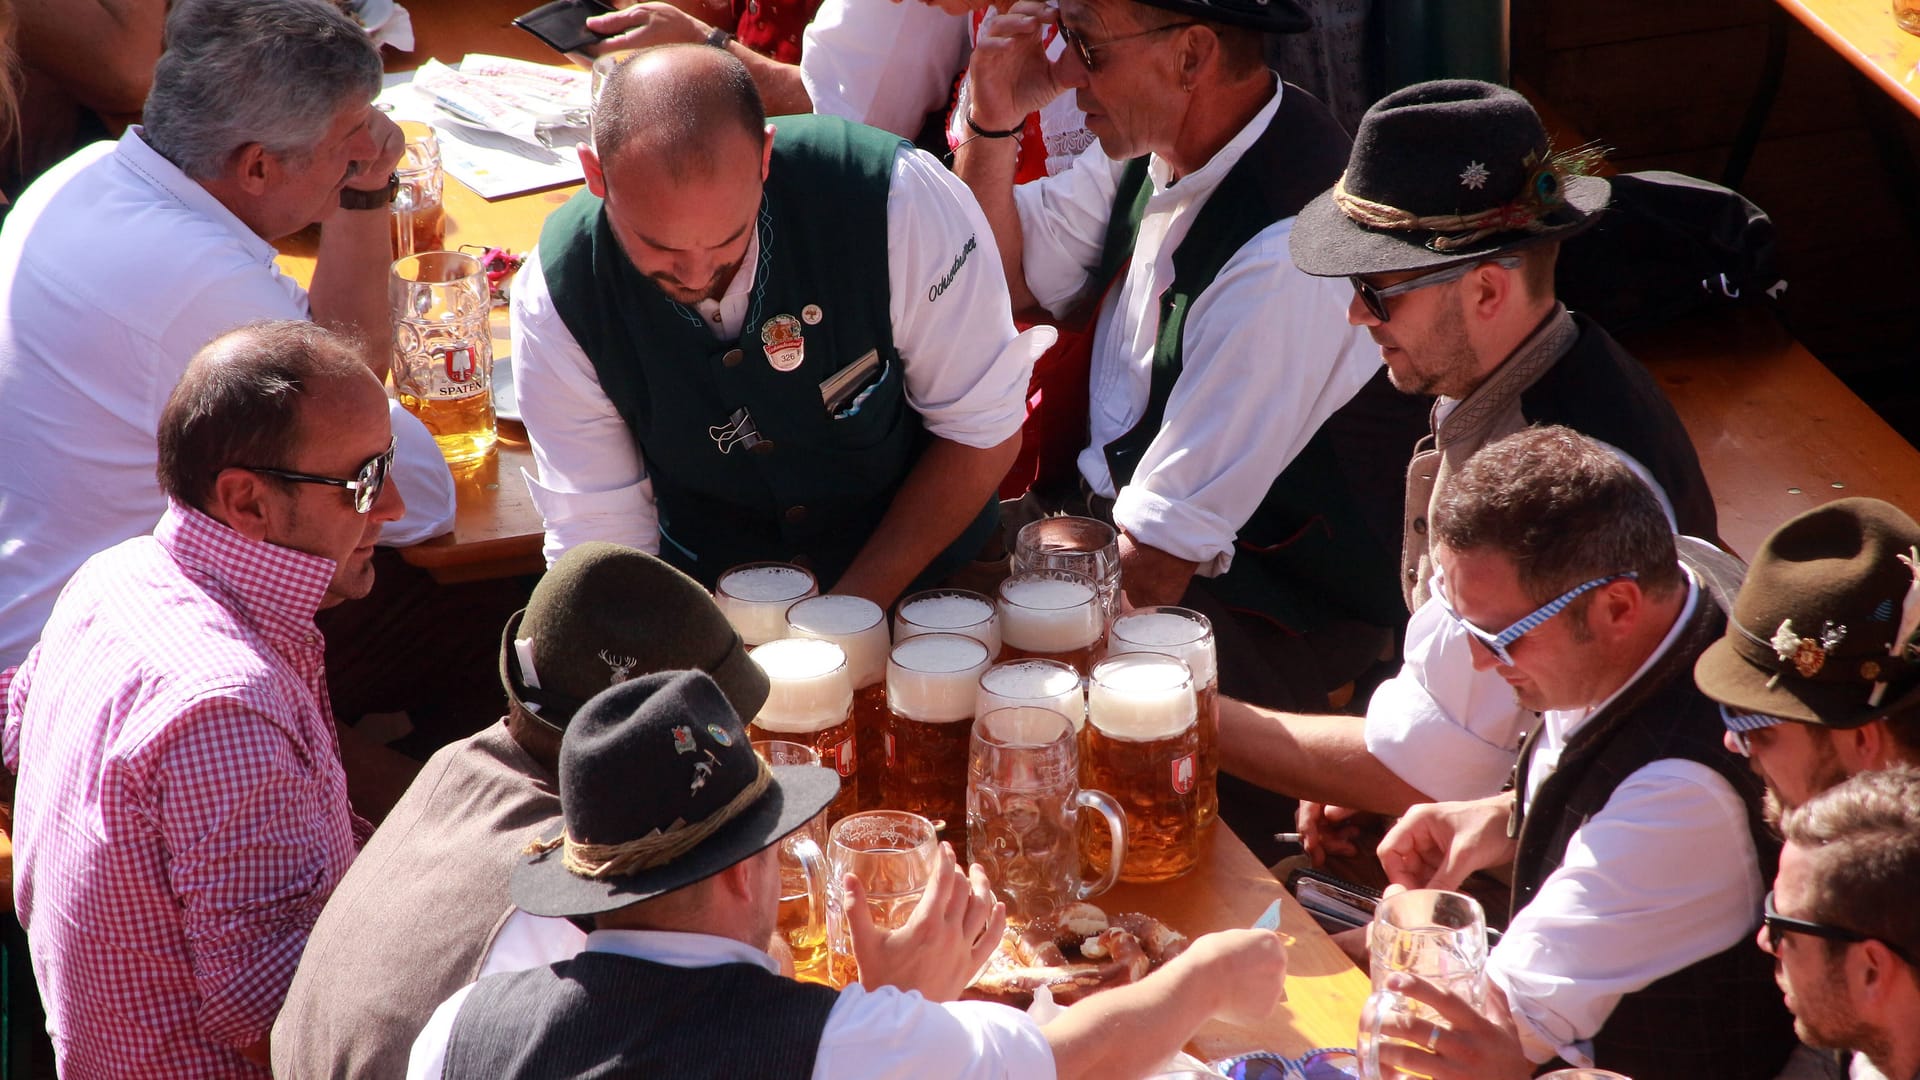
point(811, 314)
point(780, 335)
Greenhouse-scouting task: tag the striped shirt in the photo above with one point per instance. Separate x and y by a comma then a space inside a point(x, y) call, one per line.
point(181, 812)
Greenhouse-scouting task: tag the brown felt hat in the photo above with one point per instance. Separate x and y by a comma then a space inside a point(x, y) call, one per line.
point(1823, 630)
point(604, 614)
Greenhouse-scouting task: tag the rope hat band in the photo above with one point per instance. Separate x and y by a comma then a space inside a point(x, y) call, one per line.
point(601, 861)
point(1543, 194)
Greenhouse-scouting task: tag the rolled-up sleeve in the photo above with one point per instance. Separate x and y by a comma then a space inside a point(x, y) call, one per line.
point(1450, 730)
point(1063, 227)
point(1267, 356)
point(967, 368)
point(593, 484)
point(881, 62)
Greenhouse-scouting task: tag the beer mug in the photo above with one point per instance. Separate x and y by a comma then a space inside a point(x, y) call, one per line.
point(1052, 615)
point(419, 211)
point(1046, 684)
point(755, 597)
point(1143, 745)
point(1439, 936)
point(1084, 545)
point(931, 681)
point(859, 627)
point(443, 350)
point(810, 701)
point(949, 611)
point(803, 874)
point(893, 854)
point(1187, 634)
point(1023, 812)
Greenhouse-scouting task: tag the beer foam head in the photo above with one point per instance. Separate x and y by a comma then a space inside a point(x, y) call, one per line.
point(1047, 683)
point(933, 677)
point(808, 687)
point(854, 623)
point(1141, 696)
point(755, 598)
point(955, 610)
point(1045, 613)
point(1169, 632)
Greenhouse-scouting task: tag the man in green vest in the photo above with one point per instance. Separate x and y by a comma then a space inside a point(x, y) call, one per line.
point(766, 341)
point(1237, 430)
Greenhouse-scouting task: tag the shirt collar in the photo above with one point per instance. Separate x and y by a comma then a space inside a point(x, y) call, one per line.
point(1202, 181)
point(679, 949)
point(276, 589)
point(136, 154)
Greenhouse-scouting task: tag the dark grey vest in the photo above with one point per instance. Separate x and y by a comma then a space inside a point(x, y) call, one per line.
point(610, 1016)
point(1720, 1018)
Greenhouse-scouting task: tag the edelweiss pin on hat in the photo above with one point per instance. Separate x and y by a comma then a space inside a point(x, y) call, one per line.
point(1445, 172)
point(1824, 629)
point(660, 788)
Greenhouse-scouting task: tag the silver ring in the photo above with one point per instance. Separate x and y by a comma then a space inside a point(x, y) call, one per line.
point(1433, 1038)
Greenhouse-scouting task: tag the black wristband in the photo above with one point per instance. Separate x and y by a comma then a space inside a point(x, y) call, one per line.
point(985, 134)
point(718, 37)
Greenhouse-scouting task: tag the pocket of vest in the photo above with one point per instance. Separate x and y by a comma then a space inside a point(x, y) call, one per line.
point(871, 408)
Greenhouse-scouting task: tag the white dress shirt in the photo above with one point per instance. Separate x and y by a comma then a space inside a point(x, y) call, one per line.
point(1664, 876)
point(966, 367)
point(882, 63)
point(1267, 358)
point(115, 268)
point(884, 1033)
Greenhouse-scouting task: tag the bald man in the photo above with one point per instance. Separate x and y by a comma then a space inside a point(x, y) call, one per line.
point(750, 340)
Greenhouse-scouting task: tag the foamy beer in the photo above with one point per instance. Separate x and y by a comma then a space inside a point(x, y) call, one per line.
point(1185, 633)
point(949, 611)
point(1143, 746)
point(1052, 615)
point(810, 701)
point(859, 627)
point(931, 682)
point(755, 597)
point(1040, 684)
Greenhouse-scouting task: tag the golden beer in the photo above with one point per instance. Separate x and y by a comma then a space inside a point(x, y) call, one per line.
point(443, 349)
point(804, 929)
point(949, 611)
point(893, 854)
point(419, 227)
point(803, 910)
point(931, 683)
point(1187, 634)
point(1143, 747)
point(456, 424)
point(418, 212)
point(1051, 615)
point(755, 597)
point(859, 627)
point(810, 701)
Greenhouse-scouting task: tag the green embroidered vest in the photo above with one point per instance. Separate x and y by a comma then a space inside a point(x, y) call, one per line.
point(748, 462)
point(1324, 541)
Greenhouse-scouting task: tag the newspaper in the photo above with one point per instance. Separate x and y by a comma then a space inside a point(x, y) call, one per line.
point(505, 126)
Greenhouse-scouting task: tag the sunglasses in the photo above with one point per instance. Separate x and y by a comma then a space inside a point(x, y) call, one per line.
point(1499, 644)
point(1086, 50)
point(1778, 924)
point(1332, 1063)
point(1376, 299)
point(366, 484)
point(1738, 723)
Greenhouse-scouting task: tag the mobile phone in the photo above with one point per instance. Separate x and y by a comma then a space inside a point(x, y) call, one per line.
point(562, 24)
point(1335, 904)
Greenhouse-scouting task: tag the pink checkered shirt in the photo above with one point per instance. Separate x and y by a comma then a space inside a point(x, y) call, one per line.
point(181, 814)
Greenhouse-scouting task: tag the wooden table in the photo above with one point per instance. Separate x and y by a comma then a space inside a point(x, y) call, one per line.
point(1229, 889)
point(1864, 32)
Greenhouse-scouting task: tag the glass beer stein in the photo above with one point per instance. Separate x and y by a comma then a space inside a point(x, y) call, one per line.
point(949, 611)
point(803, 874)
point(1439, 936)
point(1052, 615)
point(1084, 545)
point(1047, 684)
point(931, 681)
point(419, 210)
point(1023, 812)
point(893, 855)
point(755, 597)
point(1143, 745)
point(859, 627)
point(1187, 634)
point(810, 701)
point(443, 350)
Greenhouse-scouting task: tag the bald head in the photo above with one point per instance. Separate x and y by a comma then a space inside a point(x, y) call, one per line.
point(677, 105)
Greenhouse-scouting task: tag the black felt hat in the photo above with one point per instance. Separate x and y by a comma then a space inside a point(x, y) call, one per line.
point(1444, 172)
point(1824, 629)
point(606, 613)
point(1268, 16)
point(660, 788)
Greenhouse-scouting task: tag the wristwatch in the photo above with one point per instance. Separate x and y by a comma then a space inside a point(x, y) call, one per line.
point(718, 37)
point(377, 199)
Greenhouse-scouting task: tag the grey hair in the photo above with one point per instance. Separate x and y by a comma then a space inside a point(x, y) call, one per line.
point(273, 72)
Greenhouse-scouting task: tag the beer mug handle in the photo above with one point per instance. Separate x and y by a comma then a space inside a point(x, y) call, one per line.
point(1116, 829)
point(813, 864)
point(1378, 1006)
point(402, 210)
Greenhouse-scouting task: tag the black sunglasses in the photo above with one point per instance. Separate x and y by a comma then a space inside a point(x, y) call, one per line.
point(1778, 924)
point(1086, 50)
point(1376, 298)
point(366, 484)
